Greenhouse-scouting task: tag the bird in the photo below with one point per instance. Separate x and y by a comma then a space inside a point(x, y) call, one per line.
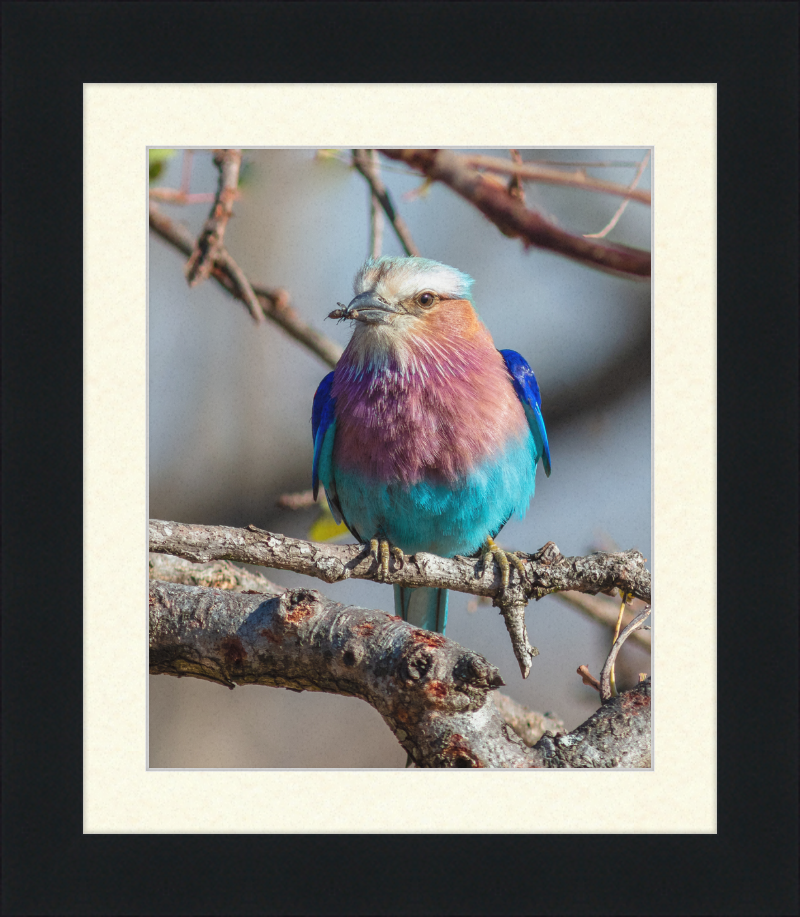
point(426, 437)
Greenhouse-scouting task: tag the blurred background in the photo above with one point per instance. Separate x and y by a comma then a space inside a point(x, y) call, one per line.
point(230, 430)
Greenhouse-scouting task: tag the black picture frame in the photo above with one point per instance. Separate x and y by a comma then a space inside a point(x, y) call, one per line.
point(49, 865)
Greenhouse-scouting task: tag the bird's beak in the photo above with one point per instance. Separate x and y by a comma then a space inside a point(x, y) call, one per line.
point(369, 308)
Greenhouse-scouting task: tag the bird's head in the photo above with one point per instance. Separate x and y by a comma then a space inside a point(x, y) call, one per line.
point(403, 292)
point(400, 303)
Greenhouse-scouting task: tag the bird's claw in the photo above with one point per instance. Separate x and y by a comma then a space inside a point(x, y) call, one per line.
point(382, 551)
point(504, 559)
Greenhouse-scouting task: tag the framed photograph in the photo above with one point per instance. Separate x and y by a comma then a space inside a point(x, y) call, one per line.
point(497, 316)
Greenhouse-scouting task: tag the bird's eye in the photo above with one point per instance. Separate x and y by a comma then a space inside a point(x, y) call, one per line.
point(425, 299)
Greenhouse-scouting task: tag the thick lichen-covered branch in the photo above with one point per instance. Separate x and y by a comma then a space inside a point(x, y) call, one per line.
point(433, 694)
point(529, 725)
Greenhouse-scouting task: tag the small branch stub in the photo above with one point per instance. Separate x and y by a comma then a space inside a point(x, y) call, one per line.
point(589, 679)
point(514, 617)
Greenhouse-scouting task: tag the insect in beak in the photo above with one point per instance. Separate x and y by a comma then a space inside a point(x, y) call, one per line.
point(341, 313)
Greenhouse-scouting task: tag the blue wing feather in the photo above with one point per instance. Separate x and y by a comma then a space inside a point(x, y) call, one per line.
point(322, 415)
point(527, 389)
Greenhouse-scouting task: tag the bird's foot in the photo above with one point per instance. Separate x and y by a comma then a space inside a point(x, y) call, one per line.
point(382, 551)
point(503, 559)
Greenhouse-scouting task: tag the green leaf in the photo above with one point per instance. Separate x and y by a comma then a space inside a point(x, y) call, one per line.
point(247, 173)
point(157, 159)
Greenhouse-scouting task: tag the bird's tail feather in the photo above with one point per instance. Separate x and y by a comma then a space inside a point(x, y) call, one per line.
point(424, 607)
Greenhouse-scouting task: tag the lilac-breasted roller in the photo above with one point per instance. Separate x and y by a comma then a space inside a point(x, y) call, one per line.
point(426, 437)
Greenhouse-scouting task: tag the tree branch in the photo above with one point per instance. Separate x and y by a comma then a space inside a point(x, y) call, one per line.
point(578, 179)
point(529, 725)
point(622, 207)
point(362, 162)
point(624, 371)
point(220, 574)
point(178, 196)
point(300, 500)
point(275, 303)
point(514, 219)
point(546, 571)
point(605, 676)
point(514, 186)
point(209, 248)
point(209, 243)
point(432, 693)
point(368, 164)
point(601, 610)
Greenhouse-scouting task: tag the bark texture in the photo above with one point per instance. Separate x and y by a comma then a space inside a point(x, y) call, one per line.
point(545, 571)
point(528, 725)
point(433, 694)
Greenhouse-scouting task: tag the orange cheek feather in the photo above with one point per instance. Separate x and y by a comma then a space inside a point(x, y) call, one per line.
point(453, 318)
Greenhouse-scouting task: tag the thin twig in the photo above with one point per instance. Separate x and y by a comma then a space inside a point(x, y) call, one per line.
point(301, 500)
point(561, 163)
point(605, 676)
point(186, 170)
point(275, 303)
point(586, 164)
point(515, 188)
point(210, 241)
point(621, 209)
point(577, 179)
point(245, 291)
point(376, 218)
point(362, 163)
point(600, 609)
point(611, 678)
point(178, 196)
point(495, 203)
